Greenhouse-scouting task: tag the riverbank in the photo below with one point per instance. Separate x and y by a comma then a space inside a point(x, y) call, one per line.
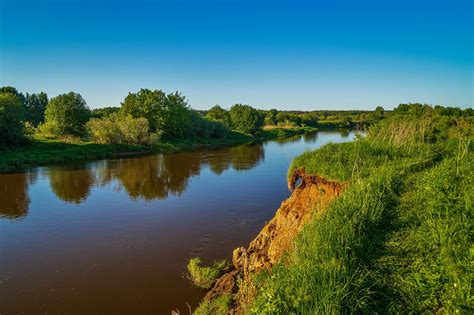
point(41, 152)
point(378, 225)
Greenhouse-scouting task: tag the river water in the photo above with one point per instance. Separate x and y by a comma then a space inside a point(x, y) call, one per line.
point(114, 236)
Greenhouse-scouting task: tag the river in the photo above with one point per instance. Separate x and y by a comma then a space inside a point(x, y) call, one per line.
point(114, 236)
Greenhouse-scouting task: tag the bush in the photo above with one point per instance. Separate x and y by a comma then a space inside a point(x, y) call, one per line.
point(245, 118)
point(118, 128)
point(204, 128)
point(203, 277)
point(11, 116)
point(66, 114)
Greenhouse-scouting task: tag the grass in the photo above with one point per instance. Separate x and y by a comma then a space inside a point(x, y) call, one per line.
point(41, 151)
point(205, 276)
point(216, 306)
point(398, 240)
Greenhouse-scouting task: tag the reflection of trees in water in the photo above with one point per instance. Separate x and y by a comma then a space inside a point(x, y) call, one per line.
point(246, 157)
point(243, 157)
point(71, 185)
point(151, 177)
point(158, 176)
point(14, 199)
point(219, 161)
point(310, 136)
point(292, 139)
point(344, 133)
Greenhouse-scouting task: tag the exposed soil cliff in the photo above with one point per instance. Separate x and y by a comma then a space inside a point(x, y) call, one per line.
point(311, 194)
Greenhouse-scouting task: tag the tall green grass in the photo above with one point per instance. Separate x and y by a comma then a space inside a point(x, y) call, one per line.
point(398, 240)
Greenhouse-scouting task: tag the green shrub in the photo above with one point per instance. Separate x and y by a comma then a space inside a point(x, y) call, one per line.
point(205, 128)
point(120, 129)
point(204, 276)
point(11, 116)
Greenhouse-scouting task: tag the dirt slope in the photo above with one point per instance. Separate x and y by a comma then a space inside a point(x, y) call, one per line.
point(311, 194)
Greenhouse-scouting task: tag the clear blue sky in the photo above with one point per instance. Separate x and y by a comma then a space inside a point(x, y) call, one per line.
point(284, 54)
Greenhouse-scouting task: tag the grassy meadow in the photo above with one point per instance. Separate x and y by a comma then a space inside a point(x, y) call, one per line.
point(399, 239)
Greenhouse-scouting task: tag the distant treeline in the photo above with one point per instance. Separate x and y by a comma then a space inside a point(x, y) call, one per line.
point(148, 116)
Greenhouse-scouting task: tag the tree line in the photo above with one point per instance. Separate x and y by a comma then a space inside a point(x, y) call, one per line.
point(143, 117)
point(148, 116)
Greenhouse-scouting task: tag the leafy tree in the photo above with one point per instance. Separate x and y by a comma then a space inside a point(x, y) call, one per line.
point(145, 103)
point(12, 90)
point(219, 114)
point(270, 117)
point(11, 116)
point(167, 115)
point(281, 117)
point(245, 118)
point(104, 112)
point(66, 114)
point(35, 107)
point(379, 111)
point(176, 118)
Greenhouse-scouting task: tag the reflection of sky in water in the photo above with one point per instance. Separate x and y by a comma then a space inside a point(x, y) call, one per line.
point(99, 217)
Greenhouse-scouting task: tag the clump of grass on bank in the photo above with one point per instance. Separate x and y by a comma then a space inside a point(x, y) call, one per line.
point(399, 239)
point(217, 306)
point(204, 276)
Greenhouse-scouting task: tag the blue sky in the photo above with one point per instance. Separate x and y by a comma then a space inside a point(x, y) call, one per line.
point(269, 54)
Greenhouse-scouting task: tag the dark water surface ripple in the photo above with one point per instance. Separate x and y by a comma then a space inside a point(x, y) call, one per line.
point(114, 236)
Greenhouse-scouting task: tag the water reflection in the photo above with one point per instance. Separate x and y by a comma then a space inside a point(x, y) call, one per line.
point(14, 199)
point(146, 177)
point(158, 176)
point(71, 185)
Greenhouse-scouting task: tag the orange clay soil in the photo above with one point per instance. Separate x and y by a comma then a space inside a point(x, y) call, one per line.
point(310, 197)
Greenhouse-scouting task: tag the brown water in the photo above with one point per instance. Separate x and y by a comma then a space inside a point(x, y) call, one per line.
point(114, 236)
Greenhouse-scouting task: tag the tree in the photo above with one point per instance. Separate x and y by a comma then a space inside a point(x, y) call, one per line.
point(145, 103)
point(168, 115)
point(35, 107)
point(12, 90)
point(11, 117)
point(103, 112)
point(66, 114)
point(379, 111)
point(176, 119)
point(270, 117)
point(245, 118)
point(217, 113)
